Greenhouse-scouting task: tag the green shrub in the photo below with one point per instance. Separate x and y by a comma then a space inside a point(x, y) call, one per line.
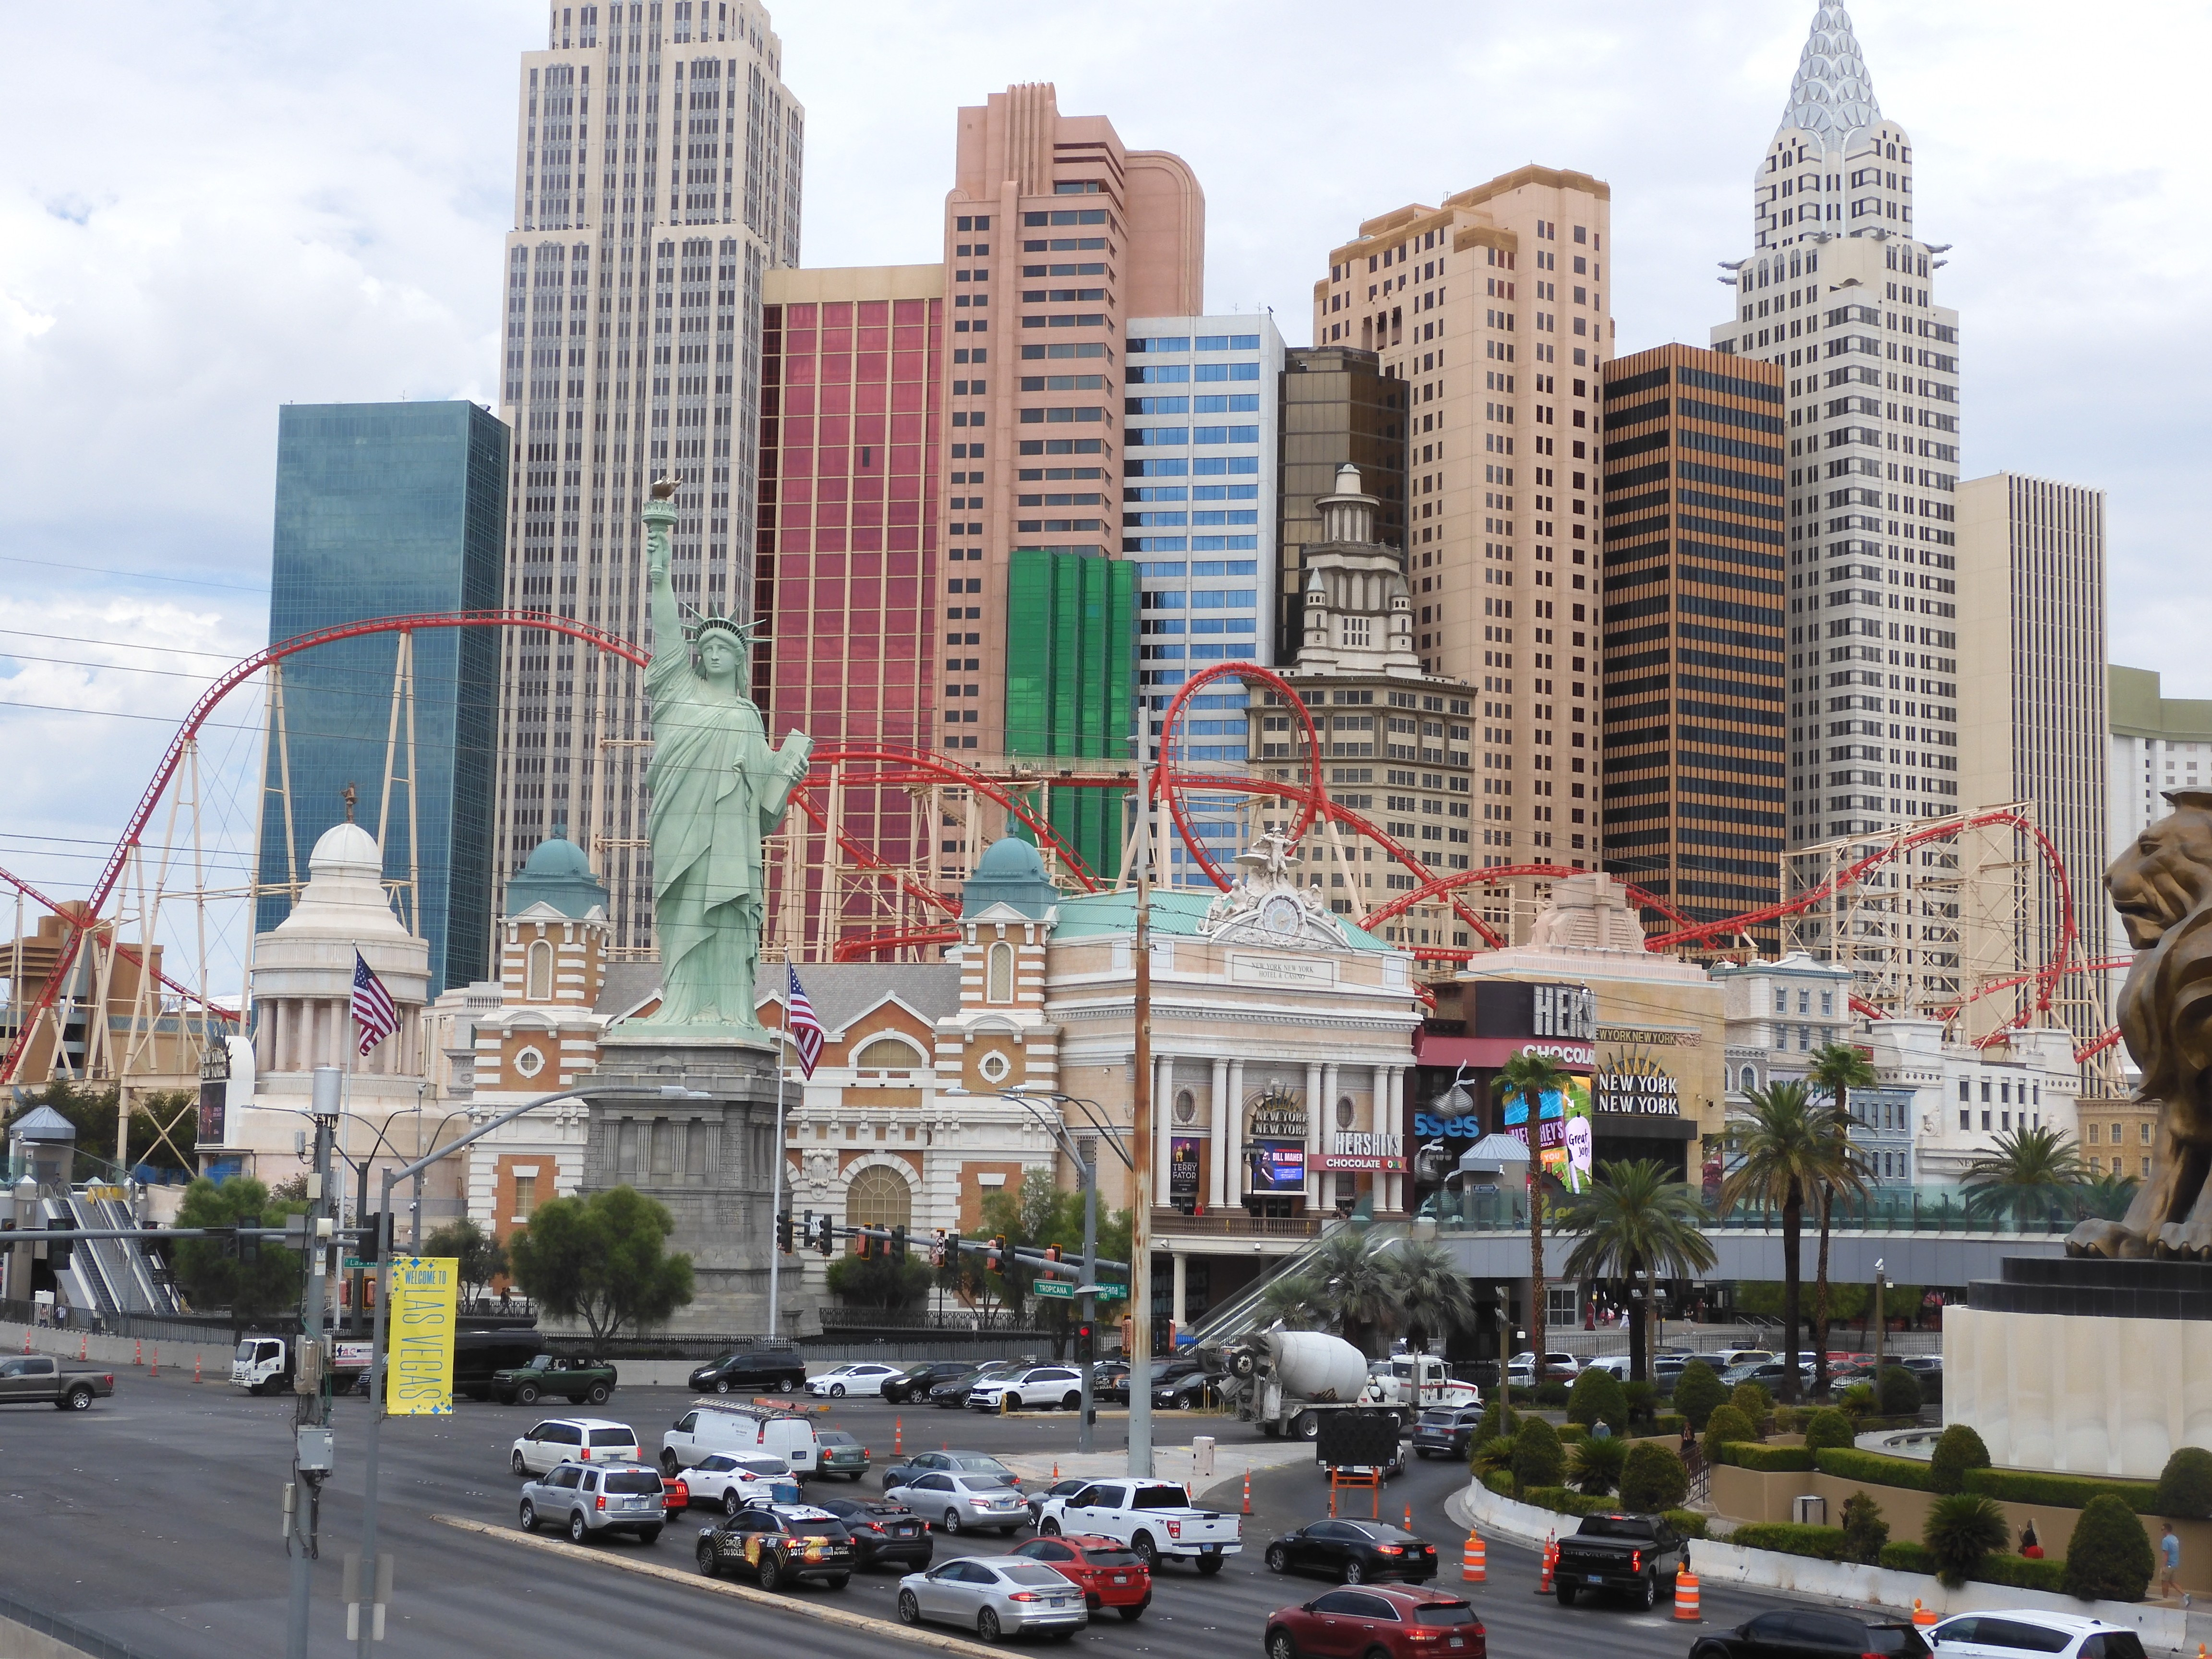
point(1494, 1455)
point(1727, 1427)
point(1642, 1398)
point(1595, 1464)
point(1570, 1434)
point(1752, 1400)
point(2184, 1485)
point(1768, 1459)
point(1688, 1522)
point(2061, 1491)
point(1962, 1527)
point(1906, 1556)
point(1566, 1500)
point(1873, 1468)
point(1821, 1543)
point(1864, 1529)
point(2109, 1558)
point(2020, 1573)
point(1900, 1390)
point(1498, 1423)
point(1958, 1450)
point(1551, 1396)
point(1537, 1457)
point(1653, 1478)
point(1667, 1423)
point(1858, 1402)
point(1827, 1428)
point(1789, 1420)
point(1697, 1391)
point(1597, 1397)
point(1499, 1481)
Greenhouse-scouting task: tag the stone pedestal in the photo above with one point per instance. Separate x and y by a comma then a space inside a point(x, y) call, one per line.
point(711, 1162)
point(2084, 1365)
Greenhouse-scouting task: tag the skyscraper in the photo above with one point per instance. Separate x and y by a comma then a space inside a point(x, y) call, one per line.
point(387, 510)
point(1837, 292)
point(1056, 237)
point(657, 181)
point(1337, 408)
point(1491, 310)
point(1695, 786)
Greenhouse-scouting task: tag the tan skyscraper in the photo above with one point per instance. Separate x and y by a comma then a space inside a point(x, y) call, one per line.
point(1056, 236)
point(657, 178)
point(1491, 308)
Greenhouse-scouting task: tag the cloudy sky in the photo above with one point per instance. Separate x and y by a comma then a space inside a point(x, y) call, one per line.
point(208, 210)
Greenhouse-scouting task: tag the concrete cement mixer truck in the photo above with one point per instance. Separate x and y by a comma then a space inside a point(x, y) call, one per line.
point(1287, 1381)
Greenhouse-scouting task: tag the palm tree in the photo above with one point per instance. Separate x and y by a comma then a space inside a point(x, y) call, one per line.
point(2026, 1172)
point(1433, 1297)
point(1783, 1151)
point(1531, 1077)
point(2106, 1196)
point(1837, 1069)
point(1638, 1218)
point(1351, 1285)
point(1291, 1301)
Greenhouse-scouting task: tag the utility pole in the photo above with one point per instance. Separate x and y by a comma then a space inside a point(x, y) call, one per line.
point(311, 1452)
point(1881, 1326)
point(1088, 1314)
point(1140, 1101)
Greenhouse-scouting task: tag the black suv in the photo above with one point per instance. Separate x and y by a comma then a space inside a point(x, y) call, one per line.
point(884, 1534)
point(919, 1380)
point(753, 1370)
point(1806, 1634)
point(779, 1544)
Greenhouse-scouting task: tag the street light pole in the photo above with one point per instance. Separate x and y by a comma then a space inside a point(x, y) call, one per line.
point(311, 1403)
point(1140, 1114)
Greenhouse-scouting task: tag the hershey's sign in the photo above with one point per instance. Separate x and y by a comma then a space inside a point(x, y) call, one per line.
point(1565, 1010)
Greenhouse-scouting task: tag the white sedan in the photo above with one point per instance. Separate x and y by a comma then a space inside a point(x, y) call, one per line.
point(842, 1380)
point(732, 1483)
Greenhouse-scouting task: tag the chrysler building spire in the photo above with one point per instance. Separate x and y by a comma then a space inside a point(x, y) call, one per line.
point(1833, 95)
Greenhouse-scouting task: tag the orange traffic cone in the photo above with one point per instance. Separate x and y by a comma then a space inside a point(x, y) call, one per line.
point(1551, 1552)
point(196, 1367)
point(137, 1350)
point(898, 1436)
point(1685, 1596)
point(1055, 1470)
point(1922, 1616)
point(1248, 1491)
point(1409, 1517)
point(27, 1338)
point(1474, 1560)
point(81, 1341)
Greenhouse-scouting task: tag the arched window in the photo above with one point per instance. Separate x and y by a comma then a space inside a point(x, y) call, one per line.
point(1750, 1080)
point(537, 977)
point(887, 1055)
point(878, 1197)
point(999, 974)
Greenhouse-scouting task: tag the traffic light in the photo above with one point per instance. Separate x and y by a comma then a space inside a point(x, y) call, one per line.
point(1086, 1344)
point(1052, 1252)
point(249, 1242)
point(825, 1237)
point(952, 1250)
point(863, 1246)
point(58, 1249)
point(995, 1255)
point(783, 1231)
point(381, 1235)
point(898, 1245)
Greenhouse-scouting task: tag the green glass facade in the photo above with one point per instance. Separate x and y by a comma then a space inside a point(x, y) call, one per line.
point(1071, 656)
point(382, 510)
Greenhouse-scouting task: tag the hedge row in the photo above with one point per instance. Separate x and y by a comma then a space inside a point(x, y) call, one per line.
point(1874, 1468)
point(1787, 1538)
point(1767, 1460)
point(1566, 1500)
point(2061, 1491)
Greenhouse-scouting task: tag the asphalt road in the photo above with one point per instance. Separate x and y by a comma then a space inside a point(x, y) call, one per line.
point(155, 1520)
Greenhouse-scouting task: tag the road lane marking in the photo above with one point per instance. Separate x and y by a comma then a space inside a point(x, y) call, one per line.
point(697, 1580)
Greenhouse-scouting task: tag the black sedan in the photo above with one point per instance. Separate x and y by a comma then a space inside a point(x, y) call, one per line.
point(884, 1534)
point(953, 1393)
point(919, 1380)
point(1354, 1552)
point(1804, 1633)
point(1058, 1489)
point(1182, 1393)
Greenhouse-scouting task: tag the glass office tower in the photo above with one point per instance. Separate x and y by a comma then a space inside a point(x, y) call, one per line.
point(384, 510)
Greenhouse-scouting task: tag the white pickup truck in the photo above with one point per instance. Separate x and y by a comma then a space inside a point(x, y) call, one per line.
point(1152, 1517)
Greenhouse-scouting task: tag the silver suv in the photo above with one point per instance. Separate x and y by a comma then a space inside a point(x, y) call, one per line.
point(586, 1499)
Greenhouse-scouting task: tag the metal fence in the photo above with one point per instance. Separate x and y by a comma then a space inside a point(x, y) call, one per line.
point(149, 1327)
point(67, 1632)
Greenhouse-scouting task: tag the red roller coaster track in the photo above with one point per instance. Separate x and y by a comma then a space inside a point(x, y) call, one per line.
point(1170, 782)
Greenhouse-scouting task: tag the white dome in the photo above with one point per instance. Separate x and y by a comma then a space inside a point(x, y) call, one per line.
point(345, 898)
point(346, 849)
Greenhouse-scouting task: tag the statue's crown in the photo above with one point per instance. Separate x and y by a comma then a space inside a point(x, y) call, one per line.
point(700, 624)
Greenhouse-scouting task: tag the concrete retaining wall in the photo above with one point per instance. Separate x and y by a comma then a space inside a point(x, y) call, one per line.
point(117, 1352)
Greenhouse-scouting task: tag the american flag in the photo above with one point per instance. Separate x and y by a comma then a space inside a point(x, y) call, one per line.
point(372, 1009)
point(798, 1016)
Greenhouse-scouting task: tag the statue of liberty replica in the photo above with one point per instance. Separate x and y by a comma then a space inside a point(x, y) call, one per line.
point(718, 788)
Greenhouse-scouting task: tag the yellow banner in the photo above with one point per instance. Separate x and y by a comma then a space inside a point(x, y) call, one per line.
point(419, 1320)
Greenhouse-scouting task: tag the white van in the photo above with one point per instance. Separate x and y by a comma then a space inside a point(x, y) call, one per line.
point(716, 1425)
point(262, 1365)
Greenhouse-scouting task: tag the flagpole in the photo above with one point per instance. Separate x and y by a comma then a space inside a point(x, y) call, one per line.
point(775, 1177)
point(340, 1164)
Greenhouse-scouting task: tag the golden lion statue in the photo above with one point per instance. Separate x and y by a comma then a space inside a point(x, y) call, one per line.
point(2162, 888)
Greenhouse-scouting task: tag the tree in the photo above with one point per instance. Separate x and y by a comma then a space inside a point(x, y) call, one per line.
point(1538, 1457)
point(1698, 1390)
point(1783, 1152)
point(1963, 1527)
point(1829, 1430)
point(1353, 1284)
point(1429, 1295)
point(1900, 1390)
point(1637, 1222)
point(2109, 1557)
point(1531, 1077)
point(1498, 1423)
point(1727, 1427)
point(1864, 1530)
point(1039, 1214)
point(164, 1126)
point(2028, 1174)
point(253, 1282)
point(1597, 1397)
point(1653, 1478)
point(1837, 1069)
point(877, 1281)
point(2184, 1485)
point(1291, 1302)
point(1958, 1450)
point(601, 1260)
point(2106, 1196)
point(479, 1257)
point(1595, 1464)
point(1755, 1402)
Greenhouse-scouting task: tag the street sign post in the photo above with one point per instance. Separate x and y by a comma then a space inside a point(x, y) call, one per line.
point(1053, 1287)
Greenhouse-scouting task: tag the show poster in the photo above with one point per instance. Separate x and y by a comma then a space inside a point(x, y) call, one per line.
point(1277, 1167)
point(1564, 1132)
point(422, 1315)
point(1182, 1168)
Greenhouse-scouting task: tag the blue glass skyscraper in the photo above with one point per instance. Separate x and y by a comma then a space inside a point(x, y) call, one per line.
point(382, 510)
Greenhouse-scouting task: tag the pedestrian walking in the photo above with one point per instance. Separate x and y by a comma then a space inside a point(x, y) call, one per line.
point(2169, 1550)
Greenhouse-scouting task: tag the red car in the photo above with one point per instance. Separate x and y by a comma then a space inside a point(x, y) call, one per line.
point(1402, 1621)
point(676, 1495)
point(1112, 1574)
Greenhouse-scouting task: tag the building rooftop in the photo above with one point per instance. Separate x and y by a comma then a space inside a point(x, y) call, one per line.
point(1833, 95)
point(1177, 912)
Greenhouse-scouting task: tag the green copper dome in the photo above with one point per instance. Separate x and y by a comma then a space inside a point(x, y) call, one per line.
point(1011, 872)
point(557, 873)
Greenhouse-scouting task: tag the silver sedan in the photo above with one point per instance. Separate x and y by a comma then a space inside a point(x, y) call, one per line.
point(993, 1596)
point(961, 1502)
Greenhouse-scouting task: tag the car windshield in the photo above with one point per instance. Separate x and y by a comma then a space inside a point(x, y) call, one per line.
point(1894, 1638)
point(1614, 1525)
point(245, 1351)
point(1023, 1573)
point(632, 1481)
point(1445, 1613)
point(980, 1465)
point(1441, 1417)
point(542, 1362)
point(833, 1438)
point(1113, 1558)
point(613, 1437)
point(989, 1485)
point(720, 1463)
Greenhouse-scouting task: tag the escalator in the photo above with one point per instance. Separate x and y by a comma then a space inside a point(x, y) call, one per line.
point(1233, 1318)
point(85, 1282)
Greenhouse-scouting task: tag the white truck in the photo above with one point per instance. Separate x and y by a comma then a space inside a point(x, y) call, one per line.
point(1417, 1381)
point(1287, 1381)
point(1154, 1518)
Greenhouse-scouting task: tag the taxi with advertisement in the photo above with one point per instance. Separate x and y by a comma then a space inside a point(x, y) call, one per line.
point(779, 1544)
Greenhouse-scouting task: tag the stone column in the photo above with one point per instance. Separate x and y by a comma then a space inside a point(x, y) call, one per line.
point(1316, 1138)
point(1163, 1126)
point(1236, 1131)
point(1389, 1113)
point(1331, 1079)
point(1216, 1186)
point(1181, 1284)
